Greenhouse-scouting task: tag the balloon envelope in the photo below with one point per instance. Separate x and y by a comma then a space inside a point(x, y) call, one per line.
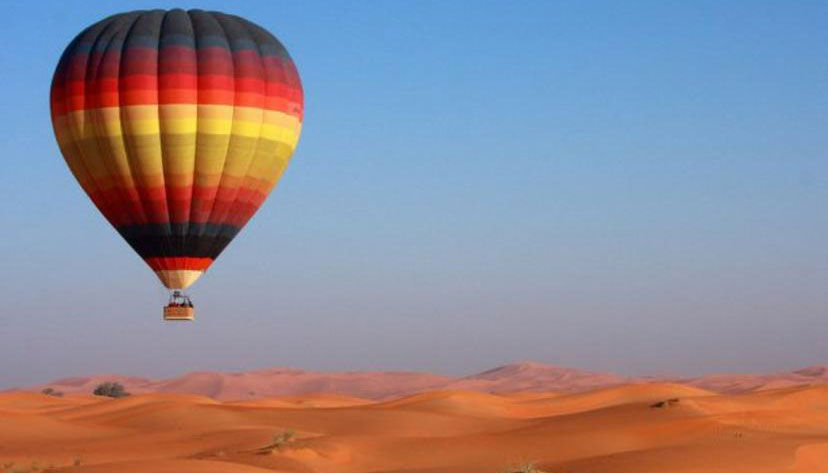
point(177, 124)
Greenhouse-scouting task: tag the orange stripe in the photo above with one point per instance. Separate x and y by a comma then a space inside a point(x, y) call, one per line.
point(183, 262)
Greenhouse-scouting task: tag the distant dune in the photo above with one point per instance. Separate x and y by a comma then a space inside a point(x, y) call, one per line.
point(741, 383)
point(518, 377)
point(624, 428)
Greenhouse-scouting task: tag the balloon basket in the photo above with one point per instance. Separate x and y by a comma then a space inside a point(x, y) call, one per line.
point(179, 308)
point(179, 313)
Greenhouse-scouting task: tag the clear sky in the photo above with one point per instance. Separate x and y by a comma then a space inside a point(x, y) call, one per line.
point(639, 187)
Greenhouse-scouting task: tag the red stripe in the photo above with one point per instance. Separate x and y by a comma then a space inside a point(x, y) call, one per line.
point(178, 80)
point(144, 90)
point(216, 77)
point(183, 262)
point(177, 59)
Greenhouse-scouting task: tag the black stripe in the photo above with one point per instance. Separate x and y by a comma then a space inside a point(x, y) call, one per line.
point(195, 240)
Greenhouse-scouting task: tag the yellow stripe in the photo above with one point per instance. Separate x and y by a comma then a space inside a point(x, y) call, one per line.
point(182, 119)
point(178, 118)
point(228, 152)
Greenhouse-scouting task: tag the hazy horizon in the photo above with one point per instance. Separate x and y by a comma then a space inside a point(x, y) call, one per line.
point(627, 188)
point(456, 375)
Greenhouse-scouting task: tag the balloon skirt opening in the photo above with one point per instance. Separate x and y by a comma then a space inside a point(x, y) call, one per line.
point(178, 278)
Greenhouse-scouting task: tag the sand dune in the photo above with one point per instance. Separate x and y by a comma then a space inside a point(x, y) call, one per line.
point(537, 377)
point(522, 377)
point(740, 383)
point(615, 429)
point(263, 384)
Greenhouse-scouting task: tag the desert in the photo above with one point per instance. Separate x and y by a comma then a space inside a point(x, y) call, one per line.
point(624, 426)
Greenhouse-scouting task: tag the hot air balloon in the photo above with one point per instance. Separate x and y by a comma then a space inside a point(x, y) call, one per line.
point(177, 124)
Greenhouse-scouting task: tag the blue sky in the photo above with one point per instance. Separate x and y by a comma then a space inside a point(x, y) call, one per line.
point(637, 187)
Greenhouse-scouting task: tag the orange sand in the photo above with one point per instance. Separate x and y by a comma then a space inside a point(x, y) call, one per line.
point(609, 430)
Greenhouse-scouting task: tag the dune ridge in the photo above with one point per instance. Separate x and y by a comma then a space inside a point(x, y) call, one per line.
point(522, 377)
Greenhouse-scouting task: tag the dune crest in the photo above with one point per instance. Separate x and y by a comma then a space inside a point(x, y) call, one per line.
point(524, 377)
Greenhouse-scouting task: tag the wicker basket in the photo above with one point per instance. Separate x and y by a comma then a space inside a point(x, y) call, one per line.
point(179, 313)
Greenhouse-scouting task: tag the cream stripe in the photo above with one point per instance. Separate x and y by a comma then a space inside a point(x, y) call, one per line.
point(178, 278)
